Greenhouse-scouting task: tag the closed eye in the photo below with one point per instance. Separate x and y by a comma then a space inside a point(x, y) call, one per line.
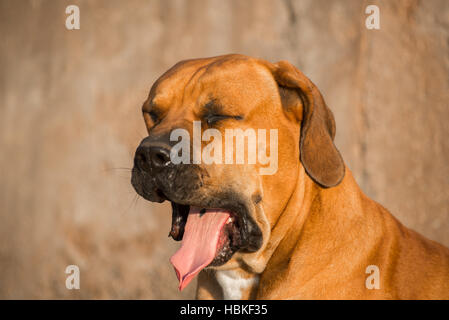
point(212, 119)
point(154, 116)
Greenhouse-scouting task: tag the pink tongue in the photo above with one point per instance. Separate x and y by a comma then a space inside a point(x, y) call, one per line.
point(199, 243)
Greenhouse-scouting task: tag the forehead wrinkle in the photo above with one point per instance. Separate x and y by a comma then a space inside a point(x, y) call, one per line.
point(192, 82)
point(240, 75)
point(191, 78)
point(208, 68)
point(175, 76)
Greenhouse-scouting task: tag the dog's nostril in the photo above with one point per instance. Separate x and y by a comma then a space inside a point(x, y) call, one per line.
point(160, 157)
point(141, 159)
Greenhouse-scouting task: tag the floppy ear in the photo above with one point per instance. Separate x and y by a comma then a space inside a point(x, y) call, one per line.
point(318, 154)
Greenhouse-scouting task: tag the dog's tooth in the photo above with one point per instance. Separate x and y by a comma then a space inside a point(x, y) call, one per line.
point(229, 220)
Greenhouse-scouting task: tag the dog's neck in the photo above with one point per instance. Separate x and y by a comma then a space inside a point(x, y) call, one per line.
point(242, 282)
point(322, 212)
point(297, 234)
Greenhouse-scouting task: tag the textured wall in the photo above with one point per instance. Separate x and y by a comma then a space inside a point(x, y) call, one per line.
point(70, 120)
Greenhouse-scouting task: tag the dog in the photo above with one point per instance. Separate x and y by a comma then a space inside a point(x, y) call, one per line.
point(306, 231)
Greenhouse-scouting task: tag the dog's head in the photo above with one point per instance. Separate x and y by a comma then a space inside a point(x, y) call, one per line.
point(227, 137)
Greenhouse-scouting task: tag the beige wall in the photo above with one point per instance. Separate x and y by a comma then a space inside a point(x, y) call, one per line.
point(70, 117)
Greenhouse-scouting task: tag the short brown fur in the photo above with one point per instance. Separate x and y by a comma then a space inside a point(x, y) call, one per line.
point(320, 230)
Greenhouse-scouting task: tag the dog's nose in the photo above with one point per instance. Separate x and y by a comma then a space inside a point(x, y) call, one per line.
point(154, 157)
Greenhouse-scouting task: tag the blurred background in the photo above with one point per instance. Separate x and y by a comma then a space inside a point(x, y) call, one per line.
point(70, 121)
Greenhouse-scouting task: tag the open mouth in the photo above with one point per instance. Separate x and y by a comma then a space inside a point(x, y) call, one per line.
point(210, 236)
point(212, 226)
point(212, 221)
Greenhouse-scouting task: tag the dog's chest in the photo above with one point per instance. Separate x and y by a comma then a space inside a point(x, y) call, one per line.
point(235, 286)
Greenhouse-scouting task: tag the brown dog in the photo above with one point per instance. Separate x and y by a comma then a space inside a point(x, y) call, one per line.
point(306, 231)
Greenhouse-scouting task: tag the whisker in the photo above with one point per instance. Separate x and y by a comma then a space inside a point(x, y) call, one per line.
point(131, 205)
point(118, 168)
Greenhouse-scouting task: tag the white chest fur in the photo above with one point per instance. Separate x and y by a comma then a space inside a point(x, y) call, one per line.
point(233, 284)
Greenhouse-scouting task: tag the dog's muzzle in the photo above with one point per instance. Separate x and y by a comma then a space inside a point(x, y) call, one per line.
point(227, 225)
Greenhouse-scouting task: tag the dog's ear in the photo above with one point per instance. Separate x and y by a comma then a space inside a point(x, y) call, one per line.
point(318, 154)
